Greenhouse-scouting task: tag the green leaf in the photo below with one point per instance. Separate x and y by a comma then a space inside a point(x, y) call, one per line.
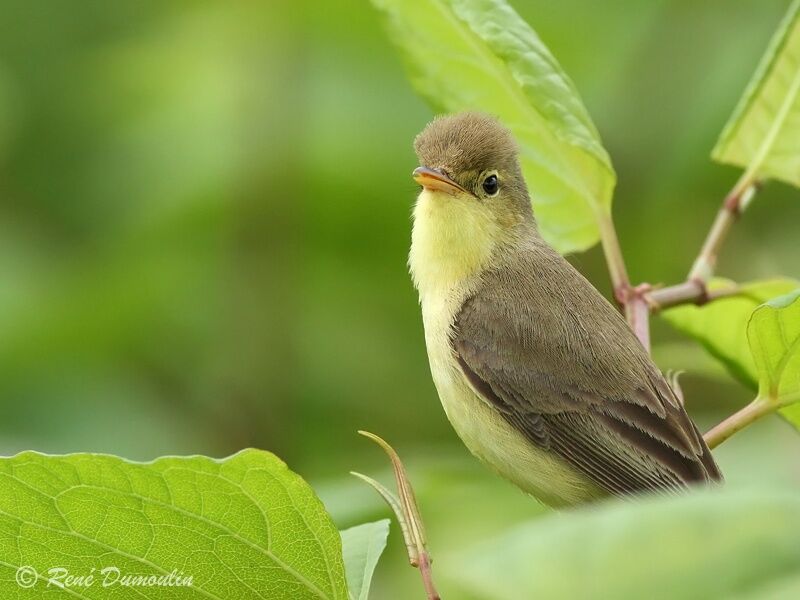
point(705, 545)
point(362, 546)
point(774, 335)
point(242, 527)
point(479, 54)
point(721, 326)
point(761, 135)
point(727, 331)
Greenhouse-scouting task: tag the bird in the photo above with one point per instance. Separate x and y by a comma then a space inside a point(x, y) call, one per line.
point(540, 376)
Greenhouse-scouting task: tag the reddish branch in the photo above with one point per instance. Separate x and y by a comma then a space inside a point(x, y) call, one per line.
point(639, 301)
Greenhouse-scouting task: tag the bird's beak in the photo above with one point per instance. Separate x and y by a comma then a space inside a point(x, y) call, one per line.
point(433, 179)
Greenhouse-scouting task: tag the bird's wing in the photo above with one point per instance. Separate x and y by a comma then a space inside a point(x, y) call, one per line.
point(561, 366)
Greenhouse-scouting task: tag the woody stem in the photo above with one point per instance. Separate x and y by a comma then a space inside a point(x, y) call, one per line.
point(694, 290)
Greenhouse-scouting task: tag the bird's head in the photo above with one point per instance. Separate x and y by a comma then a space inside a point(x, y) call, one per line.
point(470, 160)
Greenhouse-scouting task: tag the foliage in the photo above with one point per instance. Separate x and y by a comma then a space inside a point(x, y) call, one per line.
point(721, 326)
point(710, 544)
point(241, 527)
point(482, 55)
point(774, 336)
point(362, 546)
point(762, 133)
point(148, 252)
point(460, 54)
point(744, 330)
point(483, 43)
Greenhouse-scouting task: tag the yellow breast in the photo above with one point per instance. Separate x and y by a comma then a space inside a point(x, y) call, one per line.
point(452, 240)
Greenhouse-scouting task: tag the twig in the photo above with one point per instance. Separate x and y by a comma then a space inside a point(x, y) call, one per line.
point(691, 291)
point(638, 312)
point(733, 206)
point(613, 255)
point(629, 299)
point(688, 292)
point(738, 421)
point(727, 292)
point(694, 290)
point(427, 577)
point(638, 302)
point(752, 412)
point(407, 512)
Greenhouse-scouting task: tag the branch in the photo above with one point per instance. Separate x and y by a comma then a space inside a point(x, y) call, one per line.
point(746, 416)
point(688, 292)
point(738, 421)
point(631, 300)
point(613, 254)
point(733, 206)
point(691, 291)
point(638, 302)
point(637, 311)
point(694, 290)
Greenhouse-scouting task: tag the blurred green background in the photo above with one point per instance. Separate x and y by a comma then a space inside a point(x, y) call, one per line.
point(204, 222)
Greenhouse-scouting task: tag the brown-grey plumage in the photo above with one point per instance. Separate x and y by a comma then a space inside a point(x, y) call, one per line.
point(540, 345)
point(558, 372)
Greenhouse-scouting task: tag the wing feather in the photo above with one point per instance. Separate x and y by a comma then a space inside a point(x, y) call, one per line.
point(541, 345)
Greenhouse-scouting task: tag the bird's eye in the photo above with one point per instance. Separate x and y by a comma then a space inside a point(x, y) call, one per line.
point(490, 185)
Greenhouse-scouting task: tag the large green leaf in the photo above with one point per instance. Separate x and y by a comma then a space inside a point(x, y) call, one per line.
point(704, 545)
point(362, 546)
point(479, 54)
point(762, 135)
point(722, 327)
point(243, 527)
point(774, 335)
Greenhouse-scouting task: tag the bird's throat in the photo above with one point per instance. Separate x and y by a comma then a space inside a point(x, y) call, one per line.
point(452, 241)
